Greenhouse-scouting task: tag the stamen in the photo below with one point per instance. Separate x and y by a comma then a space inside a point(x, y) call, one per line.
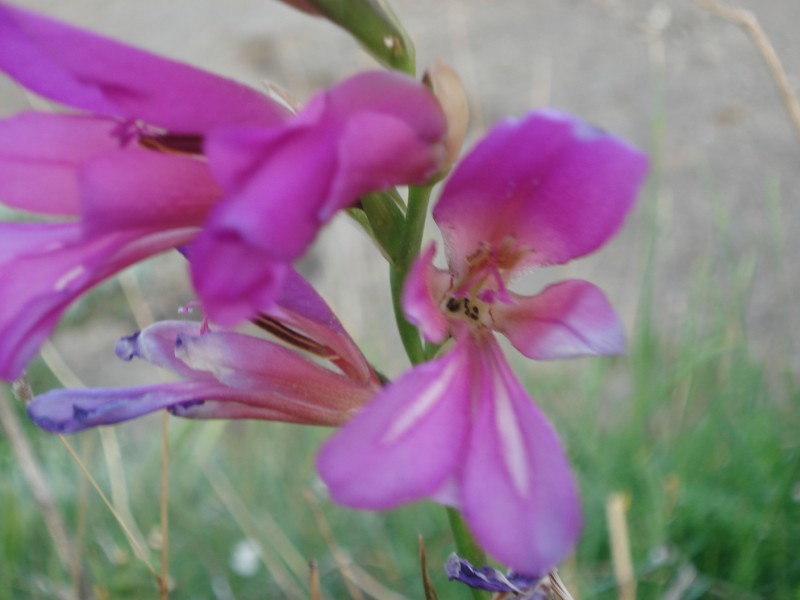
point(293, 338)
point(173, 143)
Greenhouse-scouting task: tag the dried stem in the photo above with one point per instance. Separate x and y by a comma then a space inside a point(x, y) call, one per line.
point(356, 579)
point(620, 546)
point(750, 24)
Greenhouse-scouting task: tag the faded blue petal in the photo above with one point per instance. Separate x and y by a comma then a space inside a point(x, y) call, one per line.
point(486, 577)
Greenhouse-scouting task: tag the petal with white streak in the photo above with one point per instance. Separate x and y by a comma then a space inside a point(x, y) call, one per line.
point(517, 492)
point(406, 442)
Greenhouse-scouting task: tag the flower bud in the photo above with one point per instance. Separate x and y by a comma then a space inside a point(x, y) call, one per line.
point(372, 23)
point(448, 89)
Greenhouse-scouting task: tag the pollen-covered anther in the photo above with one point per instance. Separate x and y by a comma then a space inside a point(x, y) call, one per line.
point(471, 310)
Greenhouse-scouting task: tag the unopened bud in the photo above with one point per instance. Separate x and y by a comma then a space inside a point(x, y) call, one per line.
point(446, 85)
point(372, 23)
point(302, 5)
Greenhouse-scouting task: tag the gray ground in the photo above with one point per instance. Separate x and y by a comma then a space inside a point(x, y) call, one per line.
point(726, 201)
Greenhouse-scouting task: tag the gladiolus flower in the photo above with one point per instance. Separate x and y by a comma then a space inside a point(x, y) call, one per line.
point(228, 375)
point(129, 173)
point(135, 172)
point(461, 429)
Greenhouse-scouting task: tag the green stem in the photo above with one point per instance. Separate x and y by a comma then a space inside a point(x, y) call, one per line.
point(466, 545)
point(416, 215)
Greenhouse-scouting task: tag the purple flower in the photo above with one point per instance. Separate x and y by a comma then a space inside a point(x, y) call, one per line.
point(129, 174)
point(461, 429)
point(231, 375)
point(282, 184)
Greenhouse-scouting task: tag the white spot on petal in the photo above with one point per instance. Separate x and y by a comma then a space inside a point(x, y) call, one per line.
point(511, 443)
point(422, 403)
point(68, 277)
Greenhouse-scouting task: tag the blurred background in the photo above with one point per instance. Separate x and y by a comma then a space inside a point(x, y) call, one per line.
point(693, 437)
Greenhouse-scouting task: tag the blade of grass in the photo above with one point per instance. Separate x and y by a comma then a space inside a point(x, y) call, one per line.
point(275, 546)
point(138, 549)
point(37, 482)
point(111, 451)
point(355, 578)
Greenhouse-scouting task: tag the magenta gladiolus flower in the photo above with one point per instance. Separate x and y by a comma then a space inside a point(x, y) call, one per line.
point(228, 375)
point(136, 172)
point(373, 131)
point(129, 173)
point(461, 429)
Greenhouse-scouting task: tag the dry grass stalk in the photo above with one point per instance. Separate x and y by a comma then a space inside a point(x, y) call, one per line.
point(752, 27)
point(620, 546)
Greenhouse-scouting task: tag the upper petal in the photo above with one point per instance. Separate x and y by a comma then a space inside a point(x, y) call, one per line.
point(94, 73)
point(134, 188)
point(557, 186)
point(386, 93)
point(301, 308)
point(282, 185)
point(41, 155)
point(406, 443)
point(567, 319)
point(517, 492)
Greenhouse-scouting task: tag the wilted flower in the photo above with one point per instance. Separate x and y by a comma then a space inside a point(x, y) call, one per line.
point(461, 429)
point(508, 585)
point(229, 375)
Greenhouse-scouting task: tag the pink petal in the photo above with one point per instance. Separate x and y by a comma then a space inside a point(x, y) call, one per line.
point(376, 152)
point(301, 308)
point(386, 93)
point(555, 185)
point(282, 185)
point(138, 188)
point(215, 257)
point(423, 293)
point(91, 72)
point(406, 443)
point(273, 199)
point(246, 362)
point(568, 319)
point(41, 154)
point(517, 492)
point(44, 267)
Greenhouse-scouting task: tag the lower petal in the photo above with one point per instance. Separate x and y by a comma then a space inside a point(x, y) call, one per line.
point(517, 492)
point(235, 279)
point(48, 266)
point(72, 410)
point(406, 442)
point(567, 319)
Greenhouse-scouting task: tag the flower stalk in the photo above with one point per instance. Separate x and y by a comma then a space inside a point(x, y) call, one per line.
point(416, 215)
